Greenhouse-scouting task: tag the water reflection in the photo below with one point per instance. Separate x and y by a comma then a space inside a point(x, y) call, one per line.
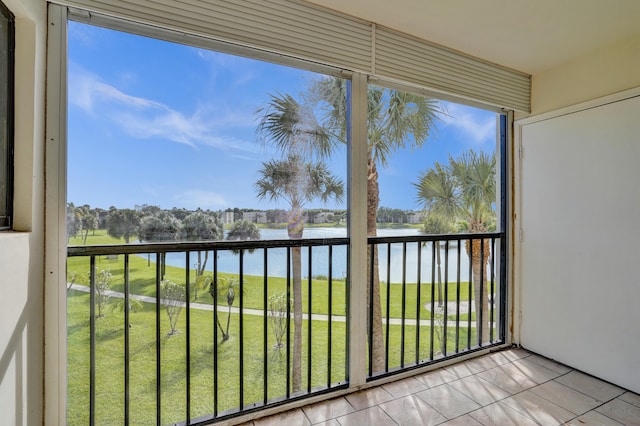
point(277, 258)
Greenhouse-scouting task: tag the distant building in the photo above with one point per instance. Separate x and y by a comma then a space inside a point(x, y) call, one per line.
point(413, 217)
point(228, 217)
point(323, 217)
point(255, 216)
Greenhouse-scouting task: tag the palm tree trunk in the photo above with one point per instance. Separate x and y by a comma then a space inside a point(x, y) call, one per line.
point(203, 265)
point(296, 370)
point(295, 229)
point(373, 293)
point(439, 274)
point(480, 252)
point(226, 333)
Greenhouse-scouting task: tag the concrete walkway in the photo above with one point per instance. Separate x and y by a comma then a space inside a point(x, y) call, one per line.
point(314, 317)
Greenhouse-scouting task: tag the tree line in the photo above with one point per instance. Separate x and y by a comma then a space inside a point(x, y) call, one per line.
point(151, 224)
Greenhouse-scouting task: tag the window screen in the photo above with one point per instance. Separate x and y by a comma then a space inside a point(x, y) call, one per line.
point(6, 116)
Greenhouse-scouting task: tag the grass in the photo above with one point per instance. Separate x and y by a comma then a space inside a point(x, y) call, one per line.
point(110, 364)
point(110, 345)
point(143, 275)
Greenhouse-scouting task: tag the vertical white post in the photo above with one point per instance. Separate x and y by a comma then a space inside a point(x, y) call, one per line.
point(55, 332)
point(358, 231)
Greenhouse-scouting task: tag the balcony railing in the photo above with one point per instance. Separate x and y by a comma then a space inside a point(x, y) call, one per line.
point(432, 310)
point(224, 357)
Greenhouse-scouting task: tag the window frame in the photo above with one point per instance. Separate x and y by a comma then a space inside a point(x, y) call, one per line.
point(55, 168)
point(7, 169)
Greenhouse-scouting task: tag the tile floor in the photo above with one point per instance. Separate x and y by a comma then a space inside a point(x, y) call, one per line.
point(511, 387)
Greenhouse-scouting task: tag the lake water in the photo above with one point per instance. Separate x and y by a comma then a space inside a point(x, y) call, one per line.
point(277, 258)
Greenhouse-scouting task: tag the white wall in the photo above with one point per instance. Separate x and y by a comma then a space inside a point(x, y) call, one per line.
point(579, 263)
point(22, 253)
point(600, 73)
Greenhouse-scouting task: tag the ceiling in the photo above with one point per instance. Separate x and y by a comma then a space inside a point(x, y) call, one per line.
point(526, 35)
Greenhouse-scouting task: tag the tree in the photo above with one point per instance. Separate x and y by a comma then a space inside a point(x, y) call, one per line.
point(297, 183)
point(88, 220)
point(123, 223)
point(101, 290)
point(396, 120)
point(278, 318)
point(435, 224)
point(74, 224)
point(466, 189)
point(291, 127)
point(162, 226)
point(199, 226)
point(226, 289)
point(173, 297)
point(437, 192)
point(244, 230)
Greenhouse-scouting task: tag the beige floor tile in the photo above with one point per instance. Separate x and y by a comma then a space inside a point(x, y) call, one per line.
point(368, 398)
point(482, 363)
point(332, 422)
point(293, 417)
point(598, 389)
point(533, 371)
point(448, 401)
point(572, 400)
point(479, 390)
point(509, 355)
point(436, 378)
point(373, 416)
point(631, 398)
point(539, 409)
point(326, 410)
point(507, 379)
point(593, 418)
point(411, 410)
point(465, 420)
point(496, 389)
point(462, 370)
point(404, 387)
point(548, 363)
point(498, 414)
point(621, 411)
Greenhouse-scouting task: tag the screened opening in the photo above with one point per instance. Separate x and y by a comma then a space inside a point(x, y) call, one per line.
point(6, 116)
point(434, 224)
point(209, 269)
point(205, 170)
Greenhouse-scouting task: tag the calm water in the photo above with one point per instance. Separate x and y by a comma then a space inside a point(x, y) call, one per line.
point(277, 258)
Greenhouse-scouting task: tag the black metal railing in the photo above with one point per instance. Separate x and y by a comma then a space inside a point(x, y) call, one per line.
point(440, 296)
point(225, 357)
point(199, 375)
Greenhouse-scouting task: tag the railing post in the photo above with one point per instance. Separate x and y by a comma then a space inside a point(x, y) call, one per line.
point(357, 189)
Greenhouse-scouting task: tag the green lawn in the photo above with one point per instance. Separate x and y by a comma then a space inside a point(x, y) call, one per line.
point(142, 351)
point(110, 362)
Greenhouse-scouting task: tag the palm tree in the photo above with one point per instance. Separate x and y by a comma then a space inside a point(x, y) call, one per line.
point(466, 189)
point(436, 224)
point(396, 121)
point(226, 288)
point(297, 183)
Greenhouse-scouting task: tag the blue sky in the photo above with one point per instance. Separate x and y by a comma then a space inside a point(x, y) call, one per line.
point(152, 122)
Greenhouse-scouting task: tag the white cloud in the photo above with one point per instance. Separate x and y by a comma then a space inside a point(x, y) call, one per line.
point(143, 118)
point(479, 126)
point(85, 35)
